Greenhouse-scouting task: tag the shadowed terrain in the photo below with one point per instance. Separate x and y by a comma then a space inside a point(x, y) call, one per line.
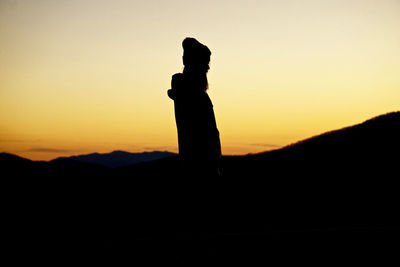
point(330, 195)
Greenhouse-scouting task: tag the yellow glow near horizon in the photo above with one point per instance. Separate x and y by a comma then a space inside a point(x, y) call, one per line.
point(91, 76)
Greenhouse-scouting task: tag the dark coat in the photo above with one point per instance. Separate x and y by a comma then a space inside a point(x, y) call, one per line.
point(198, 136)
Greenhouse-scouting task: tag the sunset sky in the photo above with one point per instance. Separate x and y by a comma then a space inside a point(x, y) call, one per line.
point(82, 76)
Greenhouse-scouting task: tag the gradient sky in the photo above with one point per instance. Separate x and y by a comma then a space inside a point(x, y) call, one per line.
point(82, 76)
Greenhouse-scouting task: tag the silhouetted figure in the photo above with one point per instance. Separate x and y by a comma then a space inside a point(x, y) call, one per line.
point(198, 136)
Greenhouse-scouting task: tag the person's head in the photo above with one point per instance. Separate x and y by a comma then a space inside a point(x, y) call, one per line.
point(196, 59)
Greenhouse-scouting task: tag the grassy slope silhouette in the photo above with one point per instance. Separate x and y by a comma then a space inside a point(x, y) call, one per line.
point(335, 188)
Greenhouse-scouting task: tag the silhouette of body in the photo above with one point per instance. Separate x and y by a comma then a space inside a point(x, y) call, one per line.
point(198, 136)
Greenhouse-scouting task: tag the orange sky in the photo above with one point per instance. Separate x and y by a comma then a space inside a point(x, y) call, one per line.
point(91, 76)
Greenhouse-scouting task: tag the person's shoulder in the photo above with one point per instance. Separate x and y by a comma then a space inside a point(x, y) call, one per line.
point(177, 79)
point(177, 75)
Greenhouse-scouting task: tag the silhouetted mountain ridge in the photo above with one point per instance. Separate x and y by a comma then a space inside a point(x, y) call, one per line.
point(118, 158)
point(9, 160)
point(375, 135)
